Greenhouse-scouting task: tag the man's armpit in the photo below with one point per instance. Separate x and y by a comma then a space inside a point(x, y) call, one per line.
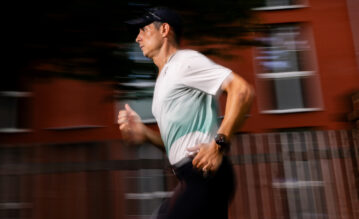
point(226, 81)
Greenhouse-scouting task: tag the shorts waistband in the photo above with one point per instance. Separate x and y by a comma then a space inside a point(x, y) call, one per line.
point(182, 162)
point(181, 166)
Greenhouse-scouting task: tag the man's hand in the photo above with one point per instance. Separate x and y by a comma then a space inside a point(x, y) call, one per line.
point(130, 125)
point(208, 158)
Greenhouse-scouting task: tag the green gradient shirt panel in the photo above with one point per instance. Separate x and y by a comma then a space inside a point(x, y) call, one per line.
point(187, 110)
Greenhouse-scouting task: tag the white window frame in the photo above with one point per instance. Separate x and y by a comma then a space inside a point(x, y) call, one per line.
point(288, 75)
point(303, 4)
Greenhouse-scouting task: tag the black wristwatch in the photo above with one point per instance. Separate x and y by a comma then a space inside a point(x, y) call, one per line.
point(223, 142)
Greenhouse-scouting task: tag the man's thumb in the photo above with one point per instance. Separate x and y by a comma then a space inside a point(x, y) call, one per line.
point(194, 148)
point(128, 108)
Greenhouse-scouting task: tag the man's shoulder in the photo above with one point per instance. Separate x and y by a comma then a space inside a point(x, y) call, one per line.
point(188, 54)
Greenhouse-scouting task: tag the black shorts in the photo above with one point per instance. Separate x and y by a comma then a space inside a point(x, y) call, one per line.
point(198, 195)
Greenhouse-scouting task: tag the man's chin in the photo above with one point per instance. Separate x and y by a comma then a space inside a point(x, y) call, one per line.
point(145, 55)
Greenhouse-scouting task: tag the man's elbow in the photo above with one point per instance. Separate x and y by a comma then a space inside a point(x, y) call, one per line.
point(250, 93)
point(245, 91)
point(241, 90)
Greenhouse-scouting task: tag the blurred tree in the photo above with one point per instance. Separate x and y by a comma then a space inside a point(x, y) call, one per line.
point(210, 22)
point(87, 39)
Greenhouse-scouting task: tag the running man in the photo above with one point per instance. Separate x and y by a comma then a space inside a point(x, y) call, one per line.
point(185, 108)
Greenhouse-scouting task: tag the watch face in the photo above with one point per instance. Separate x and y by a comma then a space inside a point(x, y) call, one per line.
point(221, 139)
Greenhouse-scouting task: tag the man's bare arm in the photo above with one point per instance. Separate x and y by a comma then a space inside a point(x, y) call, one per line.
point(154, 137)
point(239, 99)
point(134, 131)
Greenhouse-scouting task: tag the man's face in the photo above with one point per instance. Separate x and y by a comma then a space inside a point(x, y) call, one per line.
point(150, 40)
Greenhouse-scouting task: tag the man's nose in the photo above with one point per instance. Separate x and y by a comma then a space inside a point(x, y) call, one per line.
point(138, 38)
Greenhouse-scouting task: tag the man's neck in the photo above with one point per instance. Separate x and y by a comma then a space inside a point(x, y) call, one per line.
point(164, 55)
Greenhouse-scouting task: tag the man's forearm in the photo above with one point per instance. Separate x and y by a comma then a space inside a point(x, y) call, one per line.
point(154, 138)
point(239, 99)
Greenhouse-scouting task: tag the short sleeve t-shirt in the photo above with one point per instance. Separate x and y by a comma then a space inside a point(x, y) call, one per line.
point(184, 102)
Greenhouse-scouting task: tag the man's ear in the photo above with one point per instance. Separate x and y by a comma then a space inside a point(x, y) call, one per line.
point(165, 29)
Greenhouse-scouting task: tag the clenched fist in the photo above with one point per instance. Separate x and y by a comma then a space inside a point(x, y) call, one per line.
point(131, 126)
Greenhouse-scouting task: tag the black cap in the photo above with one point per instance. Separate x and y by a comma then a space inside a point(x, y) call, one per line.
point(160, 14)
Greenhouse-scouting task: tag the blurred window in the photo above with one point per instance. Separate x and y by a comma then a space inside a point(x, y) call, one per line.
point(302, 182)
point(285, 71)
point(280, 4)
point(137, 86)
point(13, 111)
point(146, 188)
point(15, 192)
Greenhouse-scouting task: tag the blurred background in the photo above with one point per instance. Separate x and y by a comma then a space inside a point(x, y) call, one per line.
point(69, 66)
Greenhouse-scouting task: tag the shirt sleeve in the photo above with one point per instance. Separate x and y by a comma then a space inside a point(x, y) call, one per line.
point(202, 73)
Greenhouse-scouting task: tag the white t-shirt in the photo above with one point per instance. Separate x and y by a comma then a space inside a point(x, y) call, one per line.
point(184, 102)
